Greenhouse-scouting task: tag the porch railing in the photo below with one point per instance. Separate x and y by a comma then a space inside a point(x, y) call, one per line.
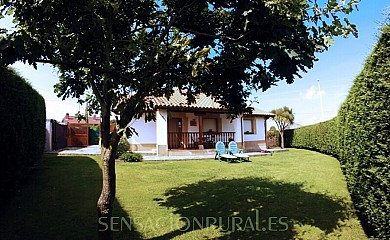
point(190, 140)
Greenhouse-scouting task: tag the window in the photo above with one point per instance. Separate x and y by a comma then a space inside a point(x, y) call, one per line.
point(249, 126)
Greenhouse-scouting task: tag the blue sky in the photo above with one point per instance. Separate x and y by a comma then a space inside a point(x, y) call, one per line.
point(335, 70)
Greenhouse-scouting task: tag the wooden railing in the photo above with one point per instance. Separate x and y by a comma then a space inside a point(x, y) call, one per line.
point(190, 140)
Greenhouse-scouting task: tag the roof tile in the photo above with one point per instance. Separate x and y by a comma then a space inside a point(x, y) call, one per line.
point(202, 101)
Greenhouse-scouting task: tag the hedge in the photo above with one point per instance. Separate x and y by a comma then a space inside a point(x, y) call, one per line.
point(365, 138)
point(22, 124)
point(320, 137)
point(360, 137)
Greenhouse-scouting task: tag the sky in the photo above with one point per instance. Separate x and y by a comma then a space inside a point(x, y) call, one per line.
point(335, 71)
point(328, 81)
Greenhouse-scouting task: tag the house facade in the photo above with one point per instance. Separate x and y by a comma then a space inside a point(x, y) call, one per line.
point(200, 125)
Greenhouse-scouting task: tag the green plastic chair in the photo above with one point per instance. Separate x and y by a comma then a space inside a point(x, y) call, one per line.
point(221, 153)
point(233, 149)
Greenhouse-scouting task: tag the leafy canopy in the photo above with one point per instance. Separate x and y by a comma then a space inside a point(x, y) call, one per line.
point(284, 117)
point(116, 49)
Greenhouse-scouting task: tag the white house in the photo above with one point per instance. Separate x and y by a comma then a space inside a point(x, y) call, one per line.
point(200, 125)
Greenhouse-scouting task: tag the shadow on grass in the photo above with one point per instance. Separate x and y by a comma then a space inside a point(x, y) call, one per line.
point(251, 208)
point(58, 202)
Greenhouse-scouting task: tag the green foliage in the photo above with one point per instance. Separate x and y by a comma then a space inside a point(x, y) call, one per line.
point(22, 124)
point(131, 157)
point(108, 46)
point(273, 137)
point(320, 137)
point(94, 127)
point(123, 146)
point(272, 132)
point(94, 132)
point(80, 117)
point(283, 118)
point(359, 136)
point(364, 132)
point(125, 51)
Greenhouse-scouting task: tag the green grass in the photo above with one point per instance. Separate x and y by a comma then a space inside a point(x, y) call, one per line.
point(292, 195)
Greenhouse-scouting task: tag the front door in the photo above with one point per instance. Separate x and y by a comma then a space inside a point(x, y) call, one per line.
point(175, 129)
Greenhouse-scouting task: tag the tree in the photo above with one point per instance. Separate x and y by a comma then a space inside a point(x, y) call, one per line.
point(283, 118)
point(120, 52)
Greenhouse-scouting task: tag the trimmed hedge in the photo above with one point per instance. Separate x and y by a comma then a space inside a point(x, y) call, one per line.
point(365, 133)
point(22, 124)
point(320, 137)
point(360, 137)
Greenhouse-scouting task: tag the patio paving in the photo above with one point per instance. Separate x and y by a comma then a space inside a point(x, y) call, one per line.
point(95, 150)
point(90, 150)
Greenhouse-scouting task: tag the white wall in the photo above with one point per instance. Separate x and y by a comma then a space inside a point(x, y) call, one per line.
point(191, 116)
point(48, 140)
point(161, 127)
point(146, 132)
point(260, 132)
point(228, 126)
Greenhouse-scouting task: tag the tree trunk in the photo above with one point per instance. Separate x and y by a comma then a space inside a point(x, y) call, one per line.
point(282, 139)
point(107, 197)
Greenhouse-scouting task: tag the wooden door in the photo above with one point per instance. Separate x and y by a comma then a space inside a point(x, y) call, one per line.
point(175, 130)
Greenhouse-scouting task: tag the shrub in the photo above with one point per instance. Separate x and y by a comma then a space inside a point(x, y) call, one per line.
point(273, 137)
point(320, 137)
point(22, 124)
point(364, 130)
point(359, 137)
point(131, 157)
point(123, 146)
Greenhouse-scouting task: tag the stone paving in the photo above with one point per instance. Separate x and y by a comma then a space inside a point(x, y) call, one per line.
point(95, 150)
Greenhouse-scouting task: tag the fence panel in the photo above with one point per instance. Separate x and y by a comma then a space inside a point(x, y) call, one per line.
point(78, 135)
point(59, 135)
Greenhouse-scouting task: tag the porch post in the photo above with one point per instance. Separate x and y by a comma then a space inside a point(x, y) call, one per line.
point(200, 130)
point(238, 137)
point(162, 132)
point(242, 132)
point(265, 131)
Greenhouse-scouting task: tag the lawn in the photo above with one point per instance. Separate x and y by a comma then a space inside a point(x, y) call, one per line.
point(292, 195)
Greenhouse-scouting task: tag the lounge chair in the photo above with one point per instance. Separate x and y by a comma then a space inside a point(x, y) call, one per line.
point(263, 149)
point(233, 149)
point(221, 153)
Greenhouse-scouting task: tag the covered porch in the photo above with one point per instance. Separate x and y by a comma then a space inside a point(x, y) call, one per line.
point(199, 129)
point(198, 140)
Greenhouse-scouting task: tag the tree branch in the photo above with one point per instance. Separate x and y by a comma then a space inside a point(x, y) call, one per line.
point(213, 35)
point(67, 64)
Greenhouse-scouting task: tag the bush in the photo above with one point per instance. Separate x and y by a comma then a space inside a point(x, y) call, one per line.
point(131, 157)
point(123, 146)
point(364, 130)
point(320, 137)
point(22, 124)
point(273, 137)
point(359, 137)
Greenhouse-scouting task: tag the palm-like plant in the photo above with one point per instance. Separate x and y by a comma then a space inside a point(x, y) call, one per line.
point(283, 118)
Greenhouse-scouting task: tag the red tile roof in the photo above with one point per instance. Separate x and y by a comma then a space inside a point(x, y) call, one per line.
point(203, 102)
point(177, 100)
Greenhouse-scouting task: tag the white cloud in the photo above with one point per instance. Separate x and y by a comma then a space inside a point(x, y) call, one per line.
point(312, 93)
